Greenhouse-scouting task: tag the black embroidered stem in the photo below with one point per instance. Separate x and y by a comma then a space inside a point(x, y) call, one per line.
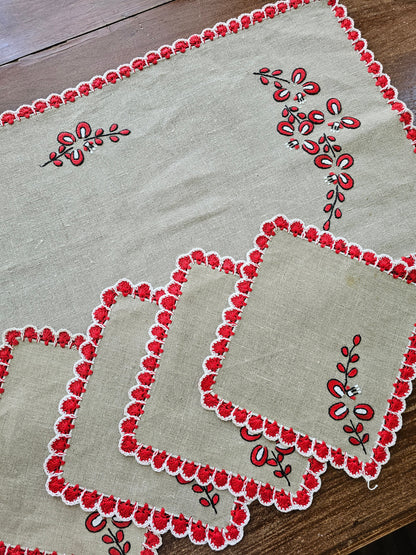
point(279, 464)
point(275, 77)
point(324, 136)
point(353, 347)
point(291, 112)
point(359, 438)
point(58, 156)
point(328, 221)
point(211, 502)
point(115, 540)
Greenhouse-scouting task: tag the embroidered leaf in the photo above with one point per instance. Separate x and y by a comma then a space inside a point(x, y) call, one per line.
point(57, 162)
point(120, 535)
point(265, 70)
point(197, 488)
point(114, 551)
point(337, 148)
point(98, 141)
point(276, 72)
point(125, 132)
point(107, 539)
point(278, 473)
point(326, 148)
point(204, 502)
point(341, 198)
point(113, 127)
point(359, 428)
point(99, 132)
point(114, 138)
point(341, 367)
point(264, 80)
point(280, 457)
point(271, 462)
point(353, 441)
point(126, 547)
point(338, 213)
point(357, 339)
point(348, 429)
point(352, 373)
point(355, 358)
point(215, 499)
point(288, 469)
point(365, 438)
point(60, 149)
point(209, 488)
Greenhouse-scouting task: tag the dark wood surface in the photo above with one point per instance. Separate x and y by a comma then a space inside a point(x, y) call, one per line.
point(48, 46)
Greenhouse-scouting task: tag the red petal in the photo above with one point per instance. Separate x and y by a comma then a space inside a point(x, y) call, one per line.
point(338, 411)
point(345, 161)
point(311, 87)
point(333, 106)
point(310, 147)
point(66, 138)
point(323, 161)
point(285, 128)
point(83, 130)
point(281, 95)
point(363, 412)
point(298, 75)
point(345, 181)
point(350, 123)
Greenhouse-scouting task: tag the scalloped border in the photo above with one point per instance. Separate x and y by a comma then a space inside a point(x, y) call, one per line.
point(306, 446)
point(175, 465)
point(11, 338)
point(221, 29)
point(143, 516)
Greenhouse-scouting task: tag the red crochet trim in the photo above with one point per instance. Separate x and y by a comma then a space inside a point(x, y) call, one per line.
point(11, 339)
point(255, 423)
point(157, 520)
point(234, 25)
point(175, 464)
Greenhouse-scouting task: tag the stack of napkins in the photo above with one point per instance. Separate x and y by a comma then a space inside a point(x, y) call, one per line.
point(220, 370)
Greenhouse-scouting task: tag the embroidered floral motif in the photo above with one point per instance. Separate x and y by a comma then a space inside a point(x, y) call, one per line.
point(208, 500)
point(325, 150)
point(339, 411)
point(297, 80)
point(96, 523)
point(260, 455)
point(73, 146)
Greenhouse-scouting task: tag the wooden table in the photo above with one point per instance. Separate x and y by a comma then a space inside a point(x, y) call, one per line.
point(49, 46)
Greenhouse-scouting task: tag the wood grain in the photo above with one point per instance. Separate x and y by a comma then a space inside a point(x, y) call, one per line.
point(344, 515)
point(26, 27)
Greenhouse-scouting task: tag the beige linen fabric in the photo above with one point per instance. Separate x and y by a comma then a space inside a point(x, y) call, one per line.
point(29, 517)
point(202, 167)
point(93, 460)
point(191, 432)
point(306, 304)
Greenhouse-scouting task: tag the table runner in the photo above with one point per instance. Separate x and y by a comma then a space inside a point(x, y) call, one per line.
point(193, 153)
